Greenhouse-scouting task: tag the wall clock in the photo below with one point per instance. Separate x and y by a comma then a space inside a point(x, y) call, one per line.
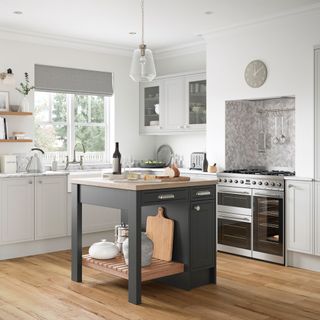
point(256, 73)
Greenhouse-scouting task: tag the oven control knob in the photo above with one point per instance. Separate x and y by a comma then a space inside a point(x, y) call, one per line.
point(272, 184)
point(260, 183)
point(225, 180)
point(279, 184)
point(220, 180)
point(254, 182)
point(235, 181)
point(266, 183)
point(230, 180)
point(241, 181)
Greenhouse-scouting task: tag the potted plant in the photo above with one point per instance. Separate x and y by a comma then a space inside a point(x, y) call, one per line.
point(25, 89)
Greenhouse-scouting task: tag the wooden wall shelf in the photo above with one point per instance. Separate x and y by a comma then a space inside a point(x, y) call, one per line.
point(11, 113)
point(117, 267)
point(16, 141)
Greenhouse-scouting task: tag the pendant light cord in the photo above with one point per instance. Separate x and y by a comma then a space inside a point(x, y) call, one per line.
point(142, 21)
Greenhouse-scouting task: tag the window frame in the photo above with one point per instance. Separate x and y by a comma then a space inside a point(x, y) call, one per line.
point(71, 124)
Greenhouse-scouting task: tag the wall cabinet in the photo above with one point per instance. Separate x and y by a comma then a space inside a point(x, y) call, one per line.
point(173, 104)
point(299, 216)
point(17, 210)
point(51, 207)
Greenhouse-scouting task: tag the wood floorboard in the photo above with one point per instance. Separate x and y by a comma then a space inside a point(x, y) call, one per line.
point(39, 287)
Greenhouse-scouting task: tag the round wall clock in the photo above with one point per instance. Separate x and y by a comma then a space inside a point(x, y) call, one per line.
point(256, 73)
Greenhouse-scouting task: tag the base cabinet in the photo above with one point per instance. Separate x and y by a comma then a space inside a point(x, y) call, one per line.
point(317, 217)
point(16, 210)
point(51, 207)
point(299, 216)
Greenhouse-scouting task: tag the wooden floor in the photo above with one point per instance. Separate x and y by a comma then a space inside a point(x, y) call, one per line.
point(39, 287)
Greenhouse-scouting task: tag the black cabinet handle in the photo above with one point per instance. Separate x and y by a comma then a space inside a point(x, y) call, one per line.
point(166, 196)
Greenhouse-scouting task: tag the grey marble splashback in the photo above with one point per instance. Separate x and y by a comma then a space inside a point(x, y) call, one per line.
point(246, 121)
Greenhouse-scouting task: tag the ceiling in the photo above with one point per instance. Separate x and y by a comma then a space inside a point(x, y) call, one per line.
point(168, 22)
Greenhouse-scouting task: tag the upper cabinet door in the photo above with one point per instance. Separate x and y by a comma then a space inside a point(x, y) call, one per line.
point(16, 210)
point(51, 207)
point(299, 216)
point(151, 107)
point(317, 114)
point(197, 101)
point(175, 119)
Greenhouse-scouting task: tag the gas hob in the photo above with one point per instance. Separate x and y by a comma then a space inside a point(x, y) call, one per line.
point(254, 178)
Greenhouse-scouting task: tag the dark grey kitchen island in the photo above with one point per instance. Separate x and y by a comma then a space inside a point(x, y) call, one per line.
point(190, 204)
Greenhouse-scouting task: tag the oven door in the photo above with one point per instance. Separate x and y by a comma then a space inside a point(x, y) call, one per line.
point(268, 225)
point(234, 233)
point(234, 200)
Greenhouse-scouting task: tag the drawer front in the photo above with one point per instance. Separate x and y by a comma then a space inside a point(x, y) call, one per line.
point(164, 195)
point(204, 193)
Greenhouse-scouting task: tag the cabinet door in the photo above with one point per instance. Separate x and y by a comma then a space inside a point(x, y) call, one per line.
point(17, 210)
point(317, 217)
point(202, 234)
point(317, 114)
point(196, 101)
point(175, 115)
point(151, 107)
point(51, 207)
point(299, 216)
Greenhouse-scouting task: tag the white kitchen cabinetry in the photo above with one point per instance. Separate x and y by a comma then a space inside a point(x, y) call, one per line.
point(17, 210)
point(317, 114)
point(299, 216)
point(51, 207)
point(181, 101)
point(317, 217)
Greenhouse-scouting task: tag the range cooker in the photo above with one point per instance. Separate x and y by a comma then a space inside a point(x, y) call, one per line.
point(250, 212)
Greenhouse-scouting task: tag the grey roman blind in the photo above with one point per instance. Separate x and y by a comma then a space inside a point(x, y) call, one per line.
point(68, 80)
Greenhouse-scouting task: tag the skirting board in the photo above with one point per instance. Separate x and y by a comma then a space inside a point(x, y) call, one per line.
point(303, 261)
point(31, 248)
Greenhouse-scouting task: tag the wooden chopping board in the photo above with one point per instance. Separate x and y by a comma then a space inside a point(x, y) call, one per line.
point(160, 231)
point(166, 178)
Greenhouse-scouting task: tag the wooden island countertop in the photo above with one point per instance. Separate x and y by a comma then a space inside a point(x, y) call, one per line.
point(140, 185)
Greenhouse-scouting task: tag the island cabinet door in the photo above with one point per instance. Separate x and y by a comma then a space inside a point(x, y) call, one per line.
point(202, 234)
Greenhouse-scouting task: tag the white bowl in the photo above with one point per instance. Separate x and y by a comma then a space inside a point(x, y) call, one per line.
point(103, 250)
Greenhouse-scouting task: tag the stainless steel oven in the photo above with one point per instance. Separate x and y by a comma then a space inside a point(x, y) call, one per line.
point(268, 225)
point(234, 213)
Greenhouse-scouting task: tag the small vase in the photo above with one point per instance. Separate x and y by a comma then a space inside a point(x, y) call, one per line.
point(146, 250)
point(25, 106)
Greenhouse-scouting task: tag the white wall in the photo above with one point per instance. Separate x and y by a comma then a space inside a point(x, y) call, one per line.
point(184, 144)
point(286, 46)
point(21, 57)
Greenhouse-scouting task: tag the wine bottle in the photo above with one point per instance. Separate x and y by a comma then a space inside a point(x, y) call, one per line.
point(116, 160)
point(205, 163)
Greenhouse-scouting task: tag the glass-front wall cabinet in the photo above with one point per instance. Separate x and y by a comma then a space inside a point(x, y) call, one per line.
point(197, 102)
point(151, 106)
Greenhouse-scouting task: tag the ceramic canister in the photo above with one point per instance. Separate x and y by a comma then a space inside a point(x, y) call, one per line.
point(146, 250)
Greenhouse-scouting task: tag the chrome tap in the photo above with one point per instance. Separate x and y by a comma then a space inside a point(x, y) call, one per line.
point(74, 161)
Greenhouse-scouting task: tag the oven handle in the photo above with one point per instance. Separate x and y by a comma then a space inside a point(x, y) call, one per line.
point(278, 196)
point(244, 219)
point(240, 193)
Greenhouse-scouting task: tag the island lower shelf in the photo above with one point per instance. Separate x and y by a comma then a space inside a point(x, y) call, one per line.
point(117, 267)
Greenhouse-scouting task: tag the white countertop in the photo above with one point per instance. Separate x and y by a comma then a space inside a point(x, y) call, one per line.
point(26, 174)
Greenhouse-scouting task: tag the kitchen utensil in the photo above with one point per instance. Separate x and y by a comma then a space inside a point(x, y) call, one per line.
point(146, 250)
point(275, 139)
point(160, 230)
point(103, 250)
point(165, 154)
point(282, 138)
point(197, 159)
point(35, 163)
point(121, 233)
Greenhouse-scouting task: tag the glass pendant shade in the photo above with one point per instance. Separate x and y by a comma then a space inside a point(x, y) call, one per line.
point(142, 66)
point(9, 79)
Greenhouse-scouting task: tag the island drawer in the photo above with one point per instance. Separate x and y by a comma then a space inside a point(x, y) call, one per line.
point(164, 195)
point(208, 192)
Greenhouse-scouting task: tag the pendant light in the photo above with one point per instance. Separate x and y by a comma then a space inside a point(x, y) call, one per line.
point(142, 64)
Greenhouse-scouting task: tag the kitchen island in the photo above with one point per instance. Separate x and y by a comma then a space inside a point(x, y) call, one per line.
point(191, 204)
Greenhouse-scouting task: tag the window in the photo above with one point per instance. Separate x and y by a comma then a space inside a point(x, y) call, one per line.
point(63, 121)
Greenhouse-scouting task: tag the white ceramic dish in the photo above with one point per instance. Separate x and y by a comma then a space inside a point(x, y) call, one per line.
point(103, 250)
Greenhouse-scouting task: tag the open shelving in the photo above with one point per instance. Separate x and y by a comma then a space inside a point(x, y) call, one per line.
point(12, 113)
point(117, 267)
